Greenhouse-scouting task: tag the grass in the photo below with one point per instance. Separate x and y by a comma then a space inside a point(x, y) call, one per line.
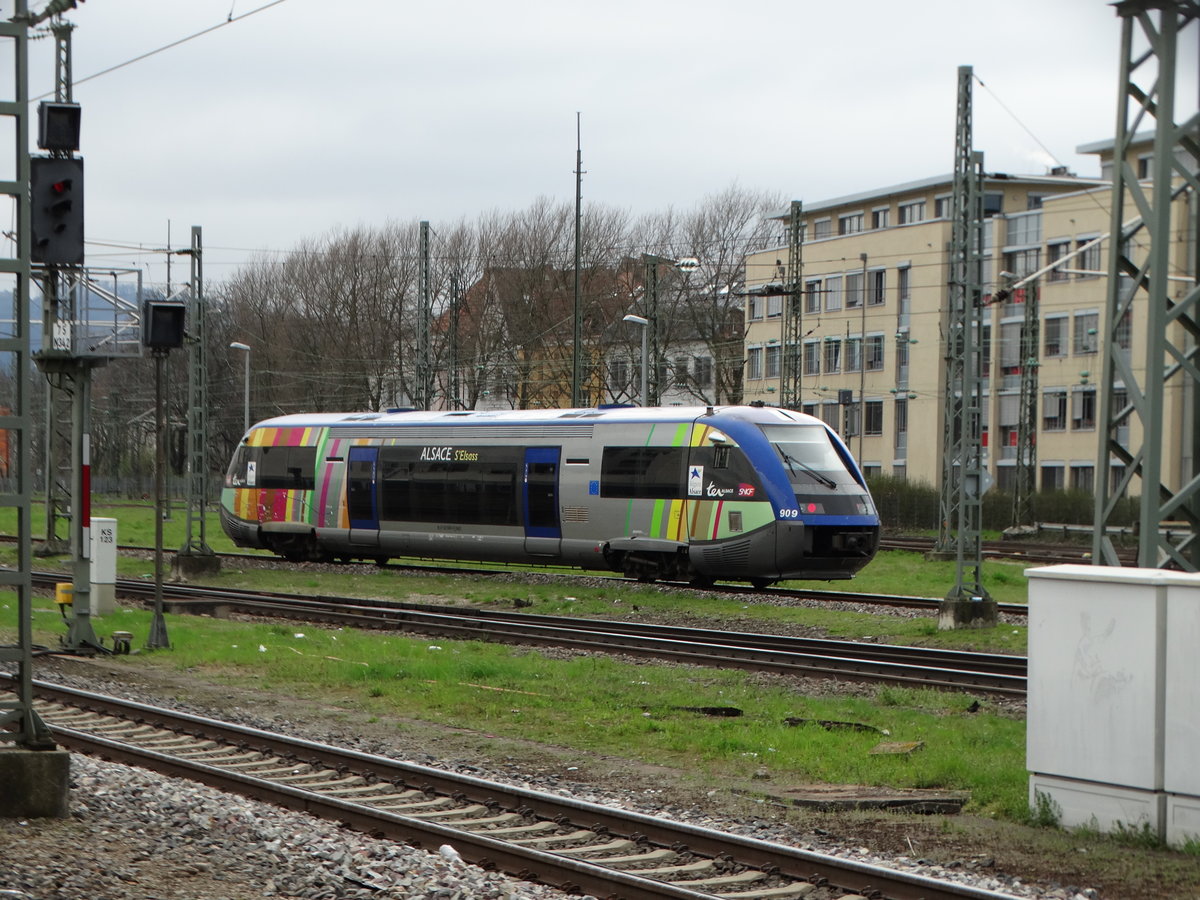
point(601, 705)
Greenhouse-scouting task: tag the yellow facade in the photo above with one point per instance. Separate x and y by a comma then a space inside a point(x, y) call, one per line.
point(895, 244)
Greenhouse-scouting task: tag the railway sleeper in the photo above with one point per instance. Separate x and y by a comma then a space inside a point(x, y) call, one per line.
point(704, 884)
point(613, 846)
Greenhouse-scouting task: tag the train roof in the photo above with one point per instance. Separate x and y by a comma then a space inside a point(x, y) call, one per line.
point(765, 415)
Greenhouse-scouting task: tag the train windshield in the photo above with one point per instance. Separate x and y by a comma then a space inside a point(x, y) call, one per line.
point(809, 455)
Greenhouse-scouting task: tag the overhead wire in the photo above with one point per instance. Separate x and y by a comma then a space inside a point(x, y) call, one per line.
point(228, 21)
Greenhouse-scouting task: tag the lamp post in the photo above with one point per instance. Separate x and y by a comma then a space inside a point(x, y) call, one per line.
point(238, 345)
point(645, 323)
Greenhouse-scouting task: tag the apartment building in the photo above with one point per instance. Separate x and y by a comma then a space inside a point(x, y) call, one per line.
point(875, 274)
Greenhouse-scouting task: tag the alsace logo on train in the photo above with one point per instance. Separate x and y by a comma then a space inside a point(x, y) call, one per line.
point(448, 454)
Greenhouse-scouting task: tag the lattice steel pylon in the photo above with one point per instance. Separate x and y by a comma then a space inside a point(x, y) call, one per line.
point(195, 555)
point(1138, 404)
point(19, 721)
point(793, 315)
point(961, 497)
point(1026, 468)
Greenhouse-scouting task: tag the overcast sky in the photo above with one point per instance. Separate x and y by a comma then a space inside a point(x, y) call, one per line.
point(313, 115)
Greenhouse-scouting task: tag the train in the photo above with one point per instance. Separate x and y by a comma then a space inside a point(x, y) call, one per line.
point(700, 494)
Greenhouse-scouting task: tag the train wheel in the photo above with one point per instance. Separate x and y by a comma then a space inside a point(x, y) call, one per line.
point(381, 561)
point(760, 583)
point(704, 582)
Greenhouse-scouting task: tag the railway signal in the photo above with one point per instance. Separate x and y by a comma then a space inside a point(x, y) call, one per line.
point(56, 210)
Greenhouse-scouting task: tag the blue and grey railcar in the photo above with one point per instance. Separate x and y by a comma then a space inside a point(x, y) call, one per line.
point(703, 494)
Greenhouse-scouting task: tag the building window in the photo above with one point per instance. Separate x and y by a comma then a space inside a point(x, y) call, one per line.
point(1088, 262)
point(993, 204)
point(833, 355)
point(1010, 347)
point(853, 354)
point(901, 410)
point(812, 296)
point(1054, 253)
point(1145, 167)
point(756, 307)
point(877, 287)
point(854, 290)
point(822, 228)
point(754, 363)
point(1083, 477)
point(1086, 339)
point(704, 371)
point(618, 375)
point(851, 415)
point(1024, 229)
point(874, 353)
point(831, 413)
point(879, 217)
point(681, 369)
point(874, 423)
point(833, 293)
point(1054, 409)
point(1022, 262)
point(911, 212)
point(812, 358)
point(1052, 477)
point(773, 362)
point(774, 306)
point(904, 290)
point(943, 206)
point(1054, 335)
point(1083, 409)
point(850, 224)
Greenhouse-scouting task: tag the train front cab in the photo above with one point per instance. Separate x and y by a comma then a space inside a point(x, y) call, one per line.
point(833, 530)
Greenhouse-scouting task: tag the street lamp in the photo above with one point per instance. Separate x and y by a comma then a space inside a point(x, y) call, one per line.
point(238, 345)
point(645, 323)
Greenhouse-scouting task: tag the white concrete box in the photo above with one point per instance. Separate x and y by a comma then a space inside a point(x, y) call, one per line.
point(1096, 677)
point(1183, 819)
point(1181, 750)
point(1104, 807)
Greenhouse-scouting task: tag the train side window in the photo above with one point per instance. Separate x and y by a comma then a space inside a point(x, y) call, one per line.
point(643, 472)
point(720, 457)
point(481, 488)
point(235, 476)
point(287, 468)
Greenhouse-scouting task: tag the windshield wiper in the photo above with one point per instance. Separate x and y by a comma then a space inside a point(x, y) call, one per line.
point(793, 463)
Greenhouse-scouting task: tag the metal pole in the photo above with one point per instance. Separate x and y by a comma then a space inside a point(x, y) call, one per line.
point(246, 395)
point(158, 627)
point(238, 345)
point(862, 363)
point(577, 343)
point(645, 363)
point(645, 324)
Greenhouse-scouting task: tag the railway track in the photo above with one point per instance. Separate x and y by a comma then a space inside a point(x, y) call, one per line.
point(570, 844)
point(783, 655)
point(898, 601)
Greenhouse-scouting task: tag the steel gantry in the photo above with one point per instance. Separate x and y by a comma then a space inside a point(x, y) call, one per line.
point(793, 315)
point(961, 498)
point(1139, 403)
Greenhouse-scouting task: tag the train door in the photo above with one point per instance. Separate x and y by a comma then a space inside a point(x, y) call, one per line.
point(362, 495)
point(540, 498)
